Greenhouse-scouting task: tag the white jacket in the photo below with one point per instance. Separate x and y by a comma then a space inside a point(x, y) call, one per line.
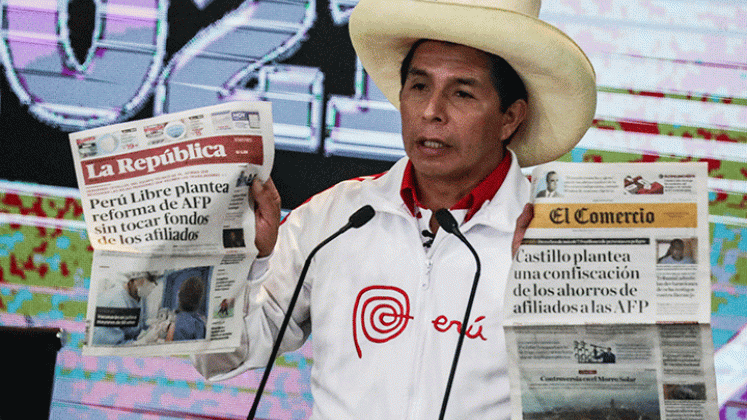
point(385, 312)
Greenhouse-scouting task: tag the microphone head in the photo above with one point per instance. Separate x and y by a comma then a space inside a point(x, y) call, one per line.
point(447, 221)
point(362, 216)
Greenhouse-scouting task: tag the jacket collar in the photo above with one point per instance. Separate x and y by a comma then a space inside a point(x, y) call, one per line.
point(472, 202)
point(499, 211)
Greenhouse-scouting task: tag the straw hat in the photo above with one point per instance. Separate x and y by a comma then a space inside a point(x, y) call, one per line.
point(559, 78)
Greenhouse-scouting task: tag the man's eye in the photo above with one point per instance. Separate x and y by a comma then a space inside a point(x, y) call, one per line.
point(463, 94)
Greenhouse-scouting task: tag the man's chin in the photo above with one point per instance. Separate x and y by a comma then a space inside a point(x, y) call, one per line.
point(431, 167)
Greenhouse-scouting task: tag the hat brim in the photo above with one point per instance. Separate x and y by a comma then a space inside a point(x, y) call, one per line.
point(559, 78)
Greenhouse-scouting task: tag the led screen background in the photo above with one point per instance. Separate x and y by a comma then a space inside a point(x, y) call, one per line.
point(672, 86)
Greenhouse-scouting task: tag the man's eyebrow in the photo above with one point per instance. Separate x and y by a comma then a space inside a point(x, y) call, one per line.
point(468, 81)
point(416, 72)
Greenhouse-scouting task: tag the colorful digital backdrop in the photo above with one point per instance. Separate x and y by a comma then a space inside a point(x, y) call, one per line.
point(672, 86)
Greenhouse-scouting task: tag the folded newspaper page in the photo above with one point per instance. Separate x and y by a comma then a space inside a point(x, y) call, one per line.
point(169, 218)
point(607, 307)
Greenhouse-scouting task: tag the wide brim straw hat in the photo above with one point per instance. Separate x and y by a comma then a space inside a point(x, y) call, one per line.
point(559, 78)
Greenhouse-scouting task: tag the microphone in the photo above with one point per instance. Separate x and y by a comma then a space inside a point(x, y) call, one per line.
point(447, 222)
point(361, 217)
point(356, 220)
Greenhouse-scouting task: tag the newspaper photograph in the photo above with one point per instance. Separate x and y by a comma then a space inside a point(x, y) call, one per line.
point(167, 211)
point(607, 305)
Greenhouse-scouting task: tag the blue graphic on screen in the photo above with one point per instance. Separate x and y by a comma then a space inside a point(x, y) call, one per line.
point(114, 80)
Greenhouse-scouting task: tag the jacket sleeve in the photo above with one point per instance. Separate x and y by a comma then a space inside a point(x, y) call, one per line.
point(267, 298)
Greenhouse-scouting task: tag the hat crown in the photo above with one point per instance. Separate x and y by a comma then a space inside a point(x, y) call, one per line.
point(527, 7)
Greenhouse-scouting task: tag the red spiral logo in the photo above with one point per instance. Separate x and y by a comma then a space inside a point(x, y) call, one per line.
point(381, 313)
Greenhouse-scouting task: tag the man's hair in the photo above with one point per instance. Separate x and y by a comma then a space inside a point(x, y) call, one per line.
point(548, 175)
point(506, 81)
point(190, 294)
point(147, 275)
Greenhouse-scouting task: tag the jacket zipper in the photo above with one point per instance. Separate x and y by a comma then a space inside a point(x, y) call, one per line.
point(423, 298)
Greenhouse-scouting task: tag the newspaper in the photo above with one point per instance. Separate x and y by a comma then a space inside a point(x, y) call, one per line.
point(607, 308)
point(167, 213)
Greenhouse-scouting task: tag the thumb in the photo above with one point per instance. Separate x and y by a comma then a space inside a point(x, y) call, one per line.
point(522, 223)
point(266, 215)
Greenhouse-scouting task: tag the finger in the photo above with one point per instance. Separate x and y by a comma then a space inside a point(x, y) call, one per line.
point(526, 216)
point(522, 223)
point(267, 215)
point(266, 197)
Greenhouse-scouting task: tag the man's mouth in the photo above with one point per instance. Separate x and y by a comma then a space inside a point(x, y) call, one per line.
point(432, 144)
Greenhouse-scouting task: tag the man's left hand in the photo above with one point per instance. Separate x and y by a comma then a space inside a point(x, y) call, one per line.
point(521, 226)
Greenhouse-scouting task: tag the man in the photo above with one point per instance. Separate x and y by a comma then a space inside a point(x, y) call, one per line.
point(551, 181)
point(189, 322)
point(127, 299)
point(386, 300)
point(606, 356)
point(676, 254)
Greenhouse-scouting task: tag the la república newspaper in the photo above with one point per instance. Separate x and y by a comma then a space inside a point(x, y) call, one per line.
point(169, 218)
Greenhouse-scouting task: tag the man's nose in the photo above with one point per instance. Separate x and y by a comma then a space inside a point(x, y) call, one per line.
point(435, 107)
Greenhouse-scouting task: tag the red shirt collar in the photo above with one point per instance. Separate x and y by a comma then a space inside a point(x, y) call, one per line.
point(472, 202)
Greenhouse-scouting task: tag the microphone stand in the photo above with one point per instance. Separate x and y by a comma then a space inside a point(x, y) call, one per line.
point(446, 221)
point(357, 219)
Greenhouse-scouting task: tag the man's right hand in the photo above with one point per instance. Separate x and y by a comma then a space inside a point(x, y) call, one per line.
point(266, 215)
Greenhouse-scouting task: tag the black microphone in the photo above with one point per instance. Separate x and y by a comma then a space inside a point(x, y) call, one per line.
point(356, 220)
point(447, 222)
point(361, 216)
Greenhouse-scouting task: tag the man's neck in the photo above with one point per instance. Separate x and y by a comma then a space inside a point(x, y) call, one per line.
point(436, 193)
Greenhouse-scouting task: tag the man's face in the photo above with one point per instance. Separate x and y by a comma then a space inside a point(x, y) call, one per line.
point(552, 182)
point(140, 288)
point(677, 251)
point(452, 124)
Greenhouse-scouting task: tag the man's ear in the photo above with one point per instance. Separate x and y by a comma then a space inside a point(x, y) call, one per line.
point(512, 118)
